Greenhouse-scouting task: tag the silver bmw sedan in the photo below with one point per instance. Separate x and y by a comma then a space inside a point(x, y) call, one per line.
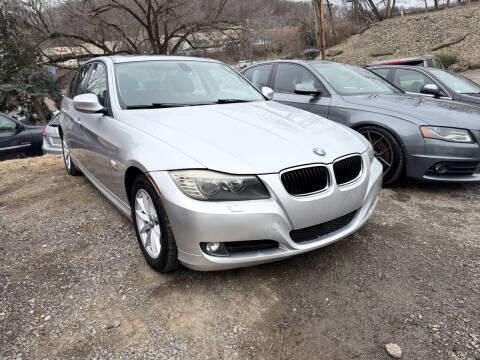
point(212, 174)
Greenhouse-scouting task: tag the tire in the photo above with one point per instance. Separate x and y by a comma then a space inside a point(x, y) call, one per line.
point(387, 150)
point(68, 161)
point(149, 222)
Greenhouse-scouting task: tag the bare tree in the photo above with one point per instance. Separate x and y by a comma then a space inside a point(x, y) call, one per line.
point(127, 26)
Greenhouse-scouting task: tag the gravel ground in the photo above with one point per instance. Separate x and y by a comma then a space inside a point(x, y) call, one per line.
point(473, 75)
point(416, 35)
point(74, 284)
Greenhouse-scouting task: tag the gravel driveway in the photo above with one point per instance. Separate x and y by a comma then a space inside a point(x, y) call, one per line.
point(74, 284)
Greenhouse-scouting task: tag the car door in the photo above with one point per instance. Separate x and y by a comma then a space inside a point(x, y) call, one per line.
point(287, 76)
point(11, 139)
point(411, 81)
point(96, 149)
point(72, 131)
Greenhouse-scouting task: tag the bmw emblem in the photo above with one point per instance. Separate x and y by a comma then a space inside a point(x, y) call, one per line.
point(319, 151)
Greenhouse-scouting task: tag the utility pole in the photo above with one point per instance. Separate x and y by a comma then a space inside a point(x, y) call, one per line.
point(320, 25)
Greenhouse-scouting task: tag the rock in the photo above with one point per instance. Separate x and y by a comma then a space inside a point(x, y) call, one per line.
point(48, 317)
point(394, 350)
point(449, 41)
point(381, 52)
point(461, 66)
point(38, 311)
point(334, 52)
point(475, 64)
point(113, 324)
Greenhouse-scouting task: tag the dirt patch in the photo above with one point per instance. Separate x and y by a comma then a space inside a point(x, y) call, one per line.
point(74, 284)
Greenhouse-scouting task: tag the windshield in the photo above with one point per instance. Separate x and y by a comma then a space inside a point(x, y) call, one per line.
point(353, 80)
point(166, 83)
point(456, 82)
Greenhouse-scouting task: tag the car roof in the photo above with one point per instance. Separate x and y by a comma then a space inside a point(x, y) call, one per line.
point(387, 66)
point(117, 59)
point(294, 61)
point(404, 59)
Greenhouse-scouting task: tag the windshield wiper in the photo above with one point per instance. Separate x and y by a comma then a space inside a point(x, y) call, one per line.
point(156, 106)
point(231, 101)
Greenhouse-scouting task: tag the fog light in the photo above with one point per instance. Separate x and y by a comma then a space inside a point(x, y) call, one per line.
point(214, 248)
point(441, 169)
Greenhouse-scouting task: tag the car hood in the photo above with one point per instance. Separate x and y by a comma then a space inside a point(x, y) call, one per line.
point(422, 110)
point(247, 138)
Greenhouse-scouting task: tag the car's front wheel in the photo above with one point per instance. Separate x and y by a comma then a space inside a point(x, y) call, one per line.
point(67, 159)
point(153, 230)
point(387, 150)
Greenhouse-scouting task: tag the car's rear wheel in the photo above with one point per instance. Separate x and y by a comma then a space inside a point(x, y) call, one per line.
point(387, 150)
point(153, 230)
point(67, 159)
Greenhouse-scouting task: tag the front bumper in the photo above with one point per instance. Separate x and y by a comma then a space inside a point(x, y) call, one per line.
point(463, 159)
point(194, 222)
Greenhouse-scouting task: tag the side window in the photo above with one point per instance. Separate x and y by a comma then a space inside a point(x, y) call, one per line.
point(80, 79)
point(410, 80)
point(289, 75)
point(97, 83)
point(6, 124)
point(382, 72)
point(72, 84)
point(259, 75)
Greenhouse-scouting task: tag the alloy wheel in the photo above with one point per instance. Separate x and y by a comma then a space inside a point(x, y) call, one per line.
point(66, 155)
point(147, 223)
point(382, 148)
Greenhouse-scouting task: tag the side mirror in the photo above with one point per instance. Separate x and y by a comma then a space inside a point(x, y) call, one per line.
point(306, 89)
point(19, 127)
point(431, 89)
point(268, 92)
point(88, 103)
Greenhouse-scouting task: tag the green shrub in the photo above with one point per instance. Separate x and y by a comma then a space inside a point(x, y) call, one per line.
point(447, 59)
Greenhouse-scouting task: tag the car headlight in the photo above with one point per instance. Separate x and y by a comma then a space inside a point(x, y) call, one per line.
point(215, 186)
point(446, 133)
point(371, 153)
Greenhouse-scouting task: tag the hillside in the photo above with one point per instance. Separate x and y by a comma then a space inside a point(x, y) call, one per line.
point(416, 35)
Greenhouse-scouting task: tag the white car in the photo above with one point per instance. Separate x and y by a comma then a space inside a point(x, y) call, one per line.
point(212, 173)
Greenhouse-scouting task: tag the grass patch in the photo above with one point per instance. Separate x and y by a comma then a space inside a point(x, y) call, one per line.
point(447, 59)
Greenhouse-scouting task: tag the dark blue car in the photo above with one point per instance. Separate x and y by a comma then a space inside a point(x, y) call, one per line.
point(18, 140)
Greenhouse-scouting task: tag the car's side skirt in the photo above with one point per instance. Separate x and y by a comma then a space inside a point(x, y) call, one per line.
point(124, 208)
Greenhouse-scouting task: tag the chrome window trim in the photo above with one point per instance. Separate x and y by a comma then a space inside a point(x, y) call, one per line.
point(360, 174)
point(325, 189)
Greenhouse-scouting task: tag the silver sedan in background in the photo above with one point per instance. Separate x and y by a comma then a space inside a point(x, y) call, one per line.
point(212, 173)
point(51, 138)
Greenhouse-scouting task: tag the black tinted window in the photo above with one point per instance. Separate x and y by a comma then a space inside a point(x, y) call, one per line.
point(79, 86)
point(289, 75)
point(259, 75)
point(97, 82)
point(6, 124)
point(382, 72)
